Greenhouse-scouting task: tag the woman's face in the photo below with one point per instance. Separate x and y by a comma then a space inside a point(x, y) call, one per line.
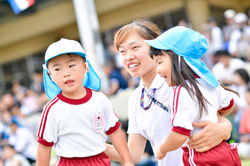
point(135, 56)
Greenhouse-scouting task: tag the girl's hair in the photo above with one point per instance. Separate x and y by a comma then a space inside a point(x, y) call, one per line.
point(243, 74)
point(181, 73)
point(146, 29)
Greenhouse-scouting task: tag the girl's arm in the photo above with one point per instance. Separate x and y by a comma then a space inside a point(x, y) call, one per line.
point(211, 135)
point(226, 112)
point(43, 155)
point(136, 144)
point(173, 142)
point(118, 140)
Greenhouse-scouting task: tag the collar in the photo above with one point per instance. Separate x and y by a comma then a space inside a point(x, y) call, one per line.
point(157, 82)
point(76, 101)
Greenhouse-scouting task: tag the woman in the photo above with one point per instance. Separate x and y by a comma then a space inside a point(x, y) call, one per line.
point(148, 116)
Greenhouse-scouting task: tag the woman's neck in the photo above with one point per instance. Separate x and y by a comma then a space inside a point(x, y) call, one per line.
point(148, 78)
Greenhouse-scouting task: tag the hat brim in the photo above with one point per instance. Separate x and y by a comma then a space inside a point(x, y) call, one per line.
point(157, 44)
point(77, 53)
point(199, 67)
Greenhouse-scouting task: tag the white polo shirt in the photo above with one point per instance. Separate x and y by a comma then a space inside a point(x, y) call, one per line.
point(185, 108)
point(154, 123)
point(77, 128)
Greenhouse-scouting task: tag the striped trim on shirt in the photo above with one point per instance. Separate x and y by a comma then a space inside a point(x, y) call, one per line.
point(44, 117)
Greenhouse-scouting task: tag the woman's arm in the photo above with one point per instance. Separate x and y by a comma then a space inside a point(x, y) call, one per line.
point(43, 155)
point(118, 140)
point(136, 144)
point(211, 135)
point(173, 142)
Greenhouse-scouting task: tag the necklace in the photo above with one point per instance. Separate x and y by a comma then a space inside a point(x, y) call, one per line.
point(142, 99)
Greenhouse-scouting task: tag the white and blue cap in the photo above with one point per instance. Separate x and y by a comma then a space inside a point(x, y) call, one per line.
point(189, 44)
point(65, 46)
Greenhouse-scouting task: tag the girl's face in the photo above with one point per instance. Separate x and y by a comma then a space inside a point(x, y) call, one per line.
point(135, 56)
point(68, 71)
point(164, 65)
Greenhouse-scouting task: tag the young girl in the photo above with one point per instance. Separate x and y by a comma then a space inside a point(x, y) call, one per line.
point(194, 95)
point(146, 118)
point(78, 118)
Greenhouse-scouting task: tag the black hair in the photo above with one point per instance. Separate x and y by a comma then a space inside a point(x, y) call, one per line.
point(243, 74)
point(221, 53)
point(181, 74)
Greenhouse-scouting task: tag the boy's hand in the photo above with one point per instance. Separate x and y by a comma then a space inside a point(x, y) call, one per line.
point(160, 155)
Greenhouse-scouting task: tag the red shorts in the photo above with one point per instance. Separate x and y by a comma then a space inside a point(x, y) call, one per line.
point(98, 160)
point(221, 155)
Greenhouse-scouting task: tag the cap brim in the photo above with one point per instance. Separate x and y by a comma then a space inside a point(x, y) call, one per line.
point(77, 53)
point(199, 67)
point(157, 44)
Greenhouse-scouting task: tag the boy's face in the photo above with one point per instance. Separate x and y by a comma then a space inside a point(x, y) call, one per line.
point(67, 71)
point(164, 65)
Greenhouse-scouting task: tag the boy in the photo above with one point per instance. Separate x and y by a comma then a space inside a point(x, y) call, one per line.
point(76, 119)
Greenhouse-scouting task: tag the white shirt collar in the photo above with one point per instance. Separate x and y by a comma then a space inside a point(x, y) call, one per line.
point(157, 82)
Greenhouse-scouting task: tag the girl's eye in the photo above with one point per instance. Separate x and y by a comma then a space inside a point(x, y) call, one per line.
point(70, 66)
point(57, 69)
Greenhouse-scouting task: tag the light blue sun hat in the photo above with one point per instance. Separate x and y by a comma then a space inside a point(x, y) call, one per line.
point(189, 44)
point(64, 46)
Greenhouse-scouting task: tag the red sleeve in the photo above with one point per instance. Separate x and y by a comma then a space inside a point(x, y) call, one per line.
point(113, 129)
point(229, 106)
point(44, 142)
point(182, 131)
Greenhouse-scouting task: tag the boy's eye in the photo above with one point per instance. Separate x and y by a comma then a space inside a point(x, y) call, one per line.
point(159, 62)
point(134, 47)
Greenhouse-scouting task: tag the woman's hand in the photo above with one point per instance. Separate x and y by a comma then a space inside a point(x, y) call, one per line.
point(211, 135)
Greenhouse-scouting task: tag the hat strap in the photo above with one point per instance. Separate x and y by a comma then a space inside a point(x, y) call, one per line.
point(179, 62)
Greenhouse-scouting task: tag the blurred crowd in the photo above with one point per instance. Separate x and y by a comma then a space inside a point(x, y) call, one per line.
point(228, 57)
point(20, 109)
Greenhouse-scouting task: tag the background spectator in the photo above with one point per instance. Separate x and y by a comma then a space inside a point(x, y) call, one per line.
point(12, 158)
point(117, 81)
point(216, 40)
point(229, 27)
point(240, 84)
point(240, 38)
point(244, 146)
point(225, 67)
